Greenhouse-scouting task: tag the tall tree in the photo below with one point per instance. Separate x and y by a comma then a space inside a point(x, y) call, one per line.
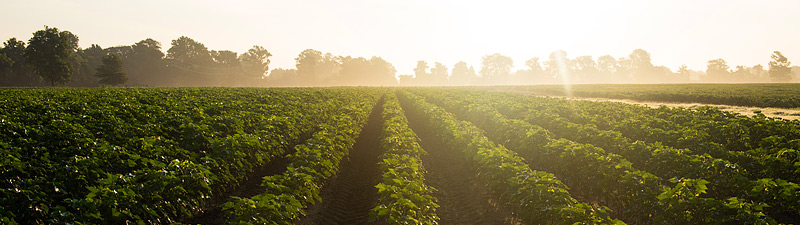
point(50, 53)
point(607, 66)
point(461, 74)
point(191, 62)
point(780, 68)
point(146, 65)
point(227, 65)
point(642, 69)
point(717, 70)
point(110, 71)
point(255, 62)
point(559, 66)
point(439, 74)
point(586, 70)
point(18, 73)
point(496, 68)
point(316, 68)
point(5, 69)
point(362, 72)
point(421, 74)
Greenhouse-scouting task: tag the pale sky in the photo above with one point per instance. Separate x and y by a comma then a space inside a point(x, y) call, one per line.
point(676, 32)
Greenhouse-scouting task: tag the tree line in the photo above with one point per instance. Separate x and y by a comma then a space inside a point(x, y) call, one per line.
point(53, 57)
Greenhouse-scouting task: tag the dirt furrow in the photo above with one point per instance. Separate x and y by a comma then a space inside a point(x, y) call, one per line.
point(348, 197)
point(462, 198)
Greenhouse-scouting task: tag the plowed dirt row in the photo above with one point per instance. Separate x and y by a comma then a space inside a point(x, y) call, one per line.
point(462, 198)
point(348, 197)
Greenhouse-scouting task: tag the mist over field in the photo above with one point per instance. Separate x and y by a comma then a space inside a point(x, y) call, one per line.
point(399, 112)
point(409, 43)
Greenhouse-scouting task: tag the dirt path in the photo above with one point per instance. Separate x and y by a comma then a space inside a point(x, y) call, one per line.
point(251, 186)
point(789, 114)
point(348, 197)
point(462, 198)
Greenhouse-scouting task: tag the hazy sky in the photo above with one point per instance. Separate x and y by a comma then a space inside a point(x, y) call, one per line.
point(675, 32)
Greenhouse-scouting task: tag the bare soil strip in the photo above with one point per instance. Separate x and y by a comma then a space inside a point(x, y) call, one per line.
point(783, 113)
point(462, 198)
point(348, 197)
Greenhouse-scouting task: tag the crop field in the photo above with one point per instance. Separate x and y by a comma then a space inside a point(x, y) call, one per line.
point(411, 155)
point(754, 95)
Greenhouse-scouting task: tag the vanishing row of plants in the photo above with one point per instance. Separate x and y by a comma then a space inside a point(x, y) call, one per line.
point(636, 195)
point(144, 155)
point(539, 196)
point(287, 195)
point(404, 198)
point(725, 179)
point(705, 130)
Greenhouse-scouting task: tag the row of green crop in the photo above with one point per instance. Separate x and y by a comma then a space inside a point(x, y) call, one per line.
point(404, 197)
point(636, 195)
point(540, 197)
point(726, 178)
point(288, 194)
point(115, 156)
point(774, 156)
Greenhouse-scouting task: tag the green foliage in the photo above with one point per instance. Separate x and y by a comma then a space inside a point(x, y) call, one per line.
point(50, 52)
point(539, 194)
point(608, 177)
point(779, 68)
point(288, 194)
point(152, 156)
point(110, 72)
point(404, 197)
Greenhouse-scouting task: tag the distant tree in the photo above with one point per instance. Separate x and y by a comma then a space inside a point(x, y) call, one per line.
point(421, 74)
point(586, 70)
point(191, 62)
point(5, 69)
point(50, 53)
point(20, 73)
point(439, 74)
point(717, 70)
point(360, 71)
point(110, 71)
point(146, 65)
point(496, 68)
point(533, 74)
point(227, 65)
point(461, 74)
point(758, 72)
point(780, 68)
point(607, 66)
point(255, 62)
point(559, 66)
point(92, 58)
point(641, 67)
point(381, 72)
point(405, 80)
point(684, 73)
point(282, 77)
point(316, 68)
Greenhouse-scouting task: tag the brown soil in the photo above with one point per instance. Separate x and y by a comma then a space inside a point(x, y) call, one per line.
point(462, 198)
point(348, 197)
point(783, 113)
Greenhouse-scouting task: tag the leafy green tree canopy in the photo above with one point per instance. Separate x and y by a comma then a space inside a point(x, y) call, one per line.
point(110, 72)
point(50, 52)
point(779, 68)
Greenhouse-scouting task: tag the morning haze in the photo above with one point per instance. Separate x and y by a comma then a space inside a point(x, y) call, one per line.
point(425, 43)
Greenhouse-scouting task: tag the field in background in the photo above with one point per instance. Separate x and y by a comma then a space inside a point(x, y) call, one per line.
point(753, 95)
point(410, 155)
